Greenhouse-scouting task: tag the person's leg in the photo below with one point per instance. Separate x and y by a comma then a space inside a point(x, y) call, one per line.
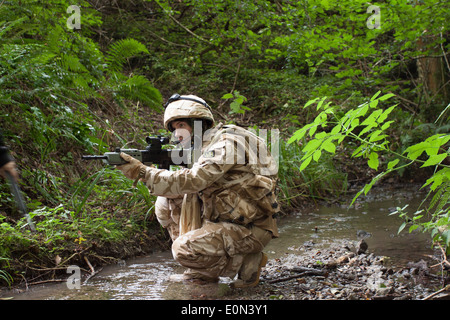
point(249, 272)
point(214, 250)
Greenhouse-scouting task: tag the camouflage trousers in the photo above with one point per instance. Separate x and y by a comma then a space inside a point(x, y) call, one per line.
point(217, 249)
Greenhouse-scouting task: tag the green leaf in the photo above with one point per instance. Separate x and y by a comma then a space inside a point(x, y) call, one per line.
point(122, 50)
point(383, 116)
point(373, 160)
point(329, 146)
point(310, 102)
point(375, 96)
point(319, 105)
point(400, 229)
point(312, 145)
point(386, 96)
point(446, 237)
point(316, 155)
point(435, 159)
point(300, 133)
point(305, 163)
point(227, 96)
point(392, 163)
point(416, 150)
point(438, 178)
point(386, 125)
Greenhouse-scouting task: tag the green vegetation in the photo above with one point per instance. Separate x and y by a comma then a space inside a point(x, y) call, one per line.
point(66, 92)
point(367, 126)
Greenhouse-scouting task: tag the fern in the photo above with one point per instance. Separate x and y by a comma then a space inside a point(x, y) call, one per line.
point(121, 51)
point(441, 197)
point(139, 88)
point(10, 25)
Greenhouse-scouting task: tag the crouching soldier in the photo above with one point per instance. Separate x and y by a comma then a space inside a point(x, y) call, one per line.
point(220, 211)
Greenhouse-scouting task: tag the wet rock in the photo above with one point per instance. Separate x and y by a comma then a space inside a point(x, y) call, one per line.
point(416, 267)
point(362, 247)
point(308, 244)
point(361, 234)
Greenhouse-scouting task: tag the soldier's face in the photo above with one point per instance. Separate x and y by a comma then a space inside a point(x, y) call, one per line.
point(182, 131)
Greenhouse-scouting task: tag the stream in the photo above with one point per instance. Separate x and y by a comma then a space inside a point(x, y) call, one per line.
point(147, 277)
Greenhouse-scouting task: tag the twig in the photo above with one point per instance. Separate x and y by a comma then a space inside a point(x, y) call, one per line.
point(167, 41)
point(307, 272)
point(93, 272)
point(446, 288)
point(91, 275)
point(444, 258)
point(444, 54)
point(46, 281)
point(89, 264)
point(236, 77)
point(181, 25)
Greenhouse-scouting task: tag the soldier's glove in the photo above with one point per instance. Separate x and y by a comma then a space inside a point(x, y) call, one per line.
point(134, 169)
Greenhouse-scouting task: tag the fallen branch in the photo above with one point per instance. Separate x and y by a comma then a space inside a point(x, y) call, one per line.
point(91, 275)
point(446, 288)
point(93, 272)
point(89, 264)
point(304, 272)
point(444, 256)
point(46, 281)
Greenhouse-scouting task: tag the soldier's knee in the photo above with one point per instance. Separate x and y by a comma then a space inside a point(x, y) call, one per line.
point(162, 211)
point(180, 250)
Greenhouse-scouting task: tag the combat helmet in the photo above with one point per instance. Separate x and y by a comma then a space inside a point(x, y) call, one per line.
point(186, 107)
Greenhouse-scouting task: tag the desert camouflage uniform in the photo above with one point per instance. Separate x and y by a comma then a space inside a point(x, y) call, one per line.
point(233, 183)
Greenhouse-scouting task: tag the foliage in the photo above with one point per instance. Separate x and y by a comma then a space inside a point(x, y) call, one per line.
point(319, 181)
point(368, 127)
point(51, 76)
point(67, 92)
point(325, 45)
point(52, 82)
point(237, 105)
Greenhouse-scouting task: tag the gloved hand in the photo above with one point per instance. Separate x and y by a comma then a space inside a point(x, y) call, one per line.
point(132, 169)
point(11, 168)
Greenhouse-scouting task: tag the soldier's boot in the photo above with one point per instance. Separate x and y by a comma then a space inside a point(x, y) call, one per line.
point(250, 271)
point(192, 275)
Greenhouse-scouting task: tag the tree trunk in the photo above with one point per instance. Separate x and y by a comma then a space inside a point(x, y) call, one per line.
point(432, 70)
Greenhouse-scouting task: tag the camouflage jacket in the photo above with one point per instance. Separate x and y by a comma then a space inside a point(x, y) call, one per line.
point(234, 177)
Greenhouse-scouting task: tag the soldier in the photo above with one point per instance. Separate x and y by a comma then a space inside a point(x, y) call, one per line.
point(7, 163)
point(220, 211)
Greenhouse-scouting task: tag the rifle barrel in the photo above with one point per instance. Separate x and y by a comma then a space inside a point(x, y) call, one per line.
point(93, 157)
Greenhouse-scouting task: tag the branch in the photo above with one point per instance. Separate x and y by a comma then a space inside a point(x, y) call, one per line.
point(181, 25)
point(303, 273)
point(446, 288)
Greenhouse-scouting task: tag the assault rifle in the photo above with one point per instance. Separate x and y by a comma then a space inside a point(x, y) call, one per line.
point(153, 154)
point(20, 201)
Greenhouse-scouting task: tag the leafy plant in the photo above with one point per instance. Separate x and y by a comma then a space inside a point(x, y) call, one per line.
point(367, 126)
point(236, 105)
point(5, 276)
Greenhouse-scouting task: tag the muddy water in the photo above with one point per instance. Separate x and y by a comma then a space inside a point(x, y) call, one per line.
point(147, 277)
point(369, 219)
